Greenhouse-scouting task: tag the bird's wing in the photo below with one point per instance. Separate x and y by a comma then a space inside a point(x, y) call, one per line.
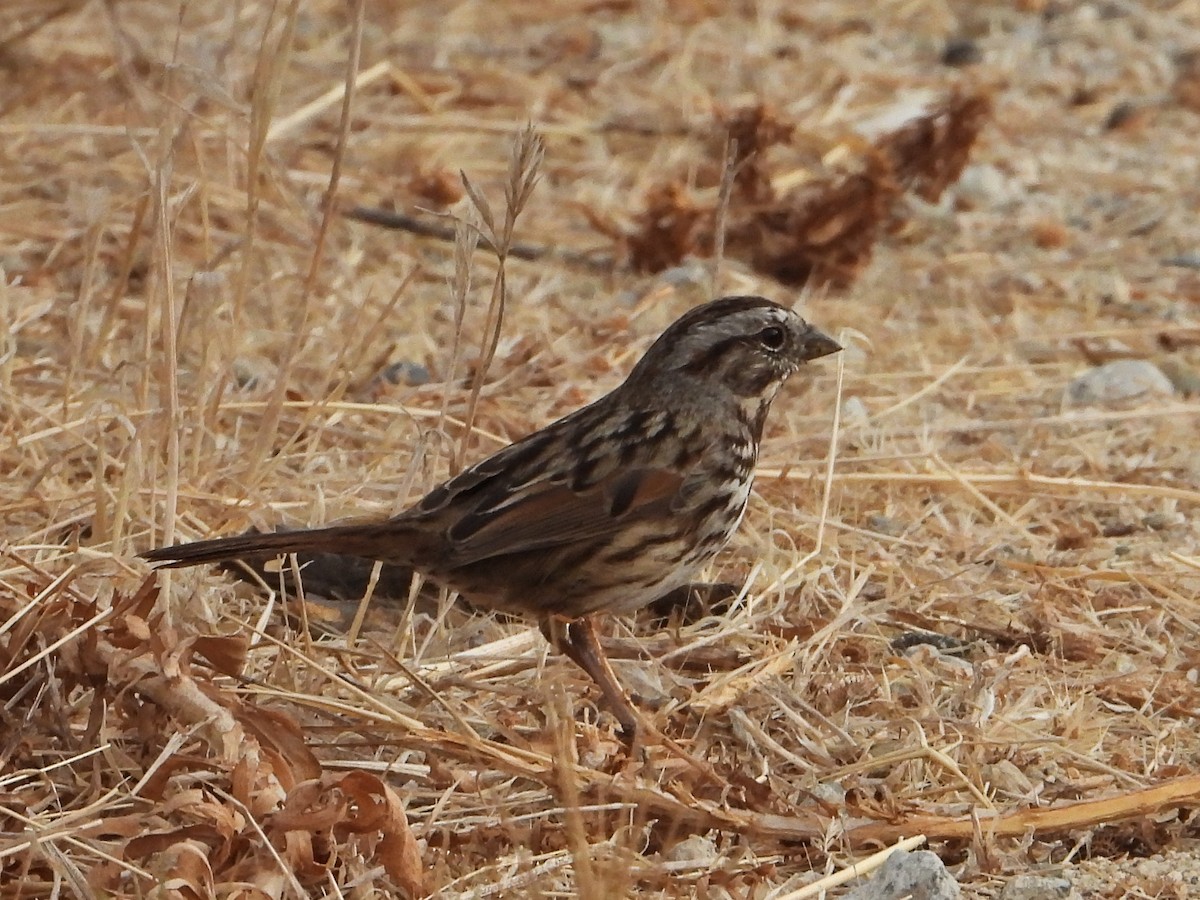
point(548, 515)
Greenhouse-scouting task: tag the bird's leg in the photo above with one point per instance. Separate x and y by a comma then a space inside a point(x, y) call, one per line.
point(577, 639)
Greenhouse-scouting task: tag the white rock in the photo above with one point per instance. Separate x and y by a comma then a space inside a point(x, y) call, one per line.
point(919, 875)
point(1114, 382)
point(830, 792)
point(983, 186)
point(855, 412)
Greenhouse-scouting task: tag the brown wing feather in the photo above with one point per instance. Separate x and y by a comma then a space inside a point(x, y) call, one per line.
point(554, 515)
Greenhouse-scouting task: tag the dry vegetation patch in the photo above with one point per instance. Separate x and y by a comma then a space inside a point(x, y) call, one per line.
point(979, 625)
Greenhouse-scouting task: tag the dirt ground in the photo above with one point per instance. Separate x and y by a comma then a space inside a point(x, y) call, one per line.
point(966, 603)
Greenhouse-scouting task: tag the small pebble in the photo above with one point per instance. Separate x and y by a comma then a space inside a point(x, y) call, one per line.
point(830, 792)
point(886, 524)
point(1183, 261)
point(873, 592)
point(246, 378)
point(689, 273)
point(409, 373)
point(854, 412)
point(1117, 381)
point(697, 848)
point(1116, 528)
point(983, 186)
point(1038, 887)
point(1158, 521)
point(1125, 115)
point(961, 51)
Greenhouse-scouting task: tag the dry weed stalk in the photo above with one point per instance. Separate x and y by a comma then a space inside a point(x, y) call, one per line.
point(523, 166)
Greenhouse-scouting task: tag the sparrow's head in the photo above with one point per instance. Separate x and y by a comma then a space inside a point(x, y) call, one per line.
point(748, 345)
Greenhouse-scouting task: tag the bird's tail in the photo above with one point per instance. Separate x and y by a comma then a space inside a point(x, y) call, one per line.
point(383, 540)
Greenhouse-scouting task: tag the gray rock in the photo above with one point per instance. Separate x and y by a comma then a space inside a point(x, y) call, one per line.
point(1118, 381)
point(689, 273)
point(1038, 887)
point(1184, 261)
point(409, 373)
point(919, 875)
point(696, 849)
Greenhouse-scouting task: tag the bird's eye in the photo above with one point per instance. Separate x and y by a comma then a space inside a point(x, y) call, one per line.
point(772, 337)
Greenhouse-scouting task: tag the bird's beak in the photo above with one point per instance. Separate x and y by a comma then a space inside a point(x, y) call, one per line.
point(817, 344)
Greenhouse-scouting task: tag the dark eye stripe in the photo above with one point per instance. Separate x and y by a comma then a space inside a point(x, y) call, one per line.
point(708, 359)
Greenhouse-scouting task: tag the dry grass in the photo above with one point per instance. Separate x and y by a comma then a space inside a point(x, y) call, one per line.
point(981, 627)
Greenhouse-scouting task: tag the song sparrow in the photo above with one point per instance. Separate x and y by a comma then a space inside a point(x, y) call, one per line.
point(606, 509)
